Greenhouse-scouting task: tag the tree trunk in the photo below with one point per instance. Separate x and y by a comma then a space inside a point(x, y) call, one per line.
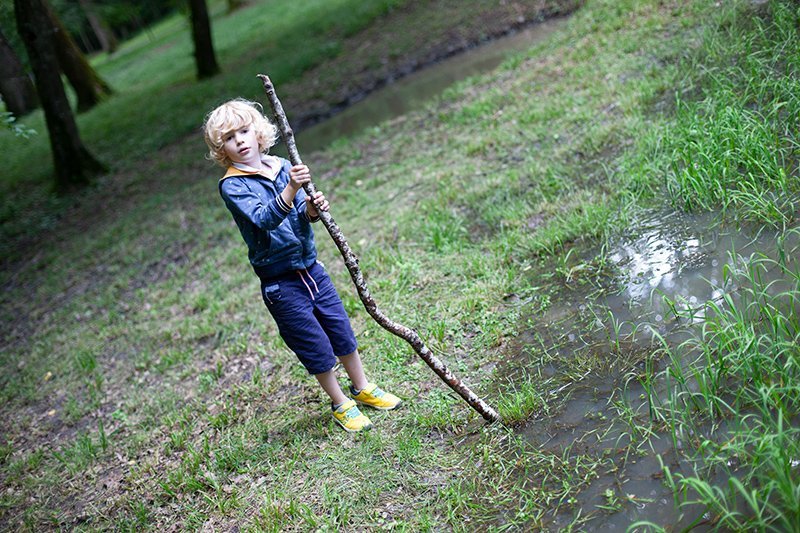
point(233, 5)
point(73, 163)
point(204, 56)
point(88, 86)
point(104, 34)
point(16, 87)
point(351, 262)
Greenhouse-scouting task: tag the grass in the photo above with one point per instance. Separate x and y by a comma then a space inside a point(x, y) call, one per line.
point(734, 148)
point(174, 403)
point(732, 392)
point(158, 101)
point(729, 390)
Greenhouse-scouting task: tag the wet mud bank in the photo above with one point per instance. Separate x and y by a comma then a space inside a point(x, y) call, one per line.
point(338, 84)
point(599, 352)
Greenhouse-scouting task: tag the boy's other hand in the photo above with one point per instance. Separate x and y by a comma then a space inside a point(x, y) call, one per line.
point(318, 204)
point(299, 175)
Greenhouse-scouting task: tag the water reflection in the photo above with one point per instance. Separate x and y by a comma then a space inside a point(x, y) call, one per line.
point(681, 258)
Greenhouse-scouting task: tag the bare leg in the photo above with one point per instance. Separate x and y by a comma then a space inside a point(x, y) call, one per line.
point(329, 384)
point(352, 365)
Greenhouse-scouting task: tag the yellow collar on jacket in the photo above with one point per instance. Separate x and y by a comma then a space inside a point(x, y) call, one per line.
point(238, 169)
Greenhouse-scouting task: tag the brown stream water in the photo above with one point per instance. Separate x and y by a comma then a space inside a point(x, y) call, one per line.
point(410, 93)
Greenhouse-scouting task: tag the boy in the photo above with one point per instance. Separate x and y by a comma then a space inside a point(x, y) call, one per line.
point(265, 196)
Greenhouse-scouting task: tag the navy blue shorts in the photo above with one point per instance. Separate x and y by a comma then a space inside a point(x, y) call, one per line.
point(310, 317)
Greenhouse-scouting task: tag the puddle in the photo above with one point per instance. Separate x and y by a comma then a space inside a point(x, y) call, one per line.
point(670, 255)
point(681, 257)
point(674, 257)
point(629, 487)
point(411, 92)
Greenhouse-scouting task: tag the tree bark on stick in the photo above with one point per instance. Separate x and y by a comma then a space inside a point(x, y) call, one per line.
point(351, 261)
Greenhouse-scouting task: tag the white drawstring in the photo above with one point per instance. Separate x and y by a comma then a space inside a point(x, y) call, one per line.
point(300, 273)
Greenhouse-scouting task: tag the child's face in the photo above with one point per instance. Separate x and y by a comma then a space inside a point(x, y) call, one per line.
point(241, 145)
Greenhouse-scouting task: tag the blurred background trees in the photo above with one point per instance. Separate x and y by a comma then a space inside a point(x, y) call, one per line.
point(41, 40)
point(205, 58)
point(16, 86)
point(74, 165)
point(96, 25)
point(81, 28)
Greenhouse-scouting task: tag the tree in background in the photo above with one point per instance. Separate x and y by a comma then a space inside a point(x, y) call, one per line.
point(122, 18)
point(204, 56)
point(73, 163)
point(88, 86)
point(16, 87)
point(233, 5)
point(102, 31)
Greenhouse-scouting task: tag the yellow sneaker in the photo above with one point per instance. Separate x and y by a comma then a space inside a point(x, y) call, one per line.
point(350, 418)
point(375, 397)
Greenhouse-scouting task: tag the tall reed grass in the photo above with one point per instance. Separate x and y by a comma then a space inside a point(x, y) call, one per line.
point(732, 398)
point(736, 145)
point(730, 395)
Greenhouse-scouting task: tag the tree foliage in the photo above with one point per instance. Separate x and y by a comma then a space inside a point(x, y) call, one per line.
point(9, 122)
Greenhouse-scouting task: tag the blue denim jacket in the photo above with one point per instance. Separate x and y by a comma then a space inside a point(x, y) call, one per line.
point(279, 238)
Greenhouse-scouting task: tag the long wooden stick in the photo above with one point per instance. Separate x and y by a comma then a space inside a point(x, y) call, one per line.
point(351, 261)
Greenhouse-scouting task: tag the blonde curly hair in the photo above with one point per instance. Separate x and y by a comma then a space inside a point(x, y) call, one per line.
point(231, 116)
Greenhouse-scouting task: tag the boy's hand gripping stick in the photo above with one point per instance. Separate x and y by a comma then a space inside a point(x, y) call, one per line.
point(351, 261)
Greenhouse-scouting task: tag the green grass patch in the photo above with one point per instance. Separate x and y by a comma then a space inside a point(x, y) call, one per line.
point(733, 146)
point(139, 353)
